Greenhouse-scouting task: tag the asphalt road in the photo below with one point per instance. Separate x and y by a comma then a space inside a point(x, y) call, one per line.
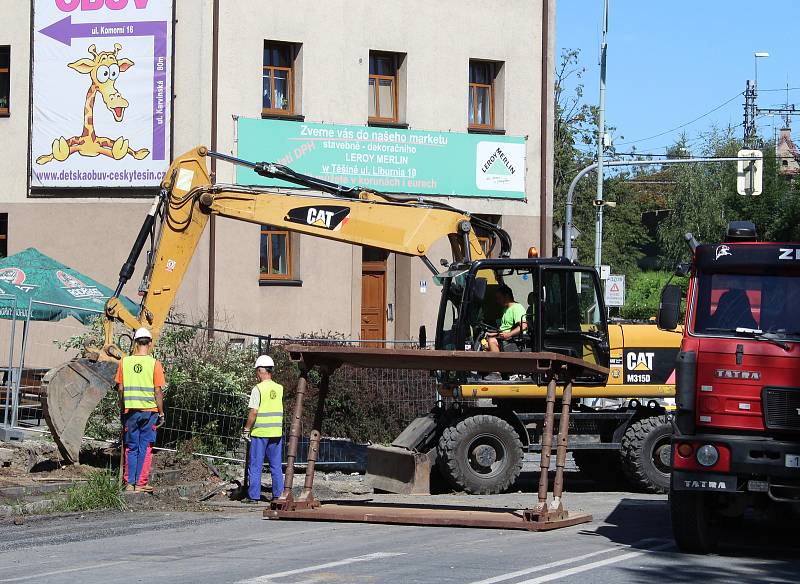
point(628, 541)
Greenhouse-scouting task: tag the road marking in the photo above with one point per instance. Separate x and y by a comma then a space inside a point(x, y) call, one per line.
point(593, 565)
point(265, 579)
point(64, 571)
point(557, 563)
point(542, 567)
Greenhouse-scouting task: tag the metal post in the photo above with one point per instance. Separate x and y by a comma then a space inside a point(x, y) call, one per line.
point(547, 443)
point(316, 434)
point(10, 375)
point(25, 335)
point(561, 448)
point(601, 133)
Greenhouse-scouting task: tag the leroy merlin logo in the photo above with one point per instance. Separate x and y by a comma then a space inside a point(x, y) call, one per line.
point(500, 166)
point(498, 163)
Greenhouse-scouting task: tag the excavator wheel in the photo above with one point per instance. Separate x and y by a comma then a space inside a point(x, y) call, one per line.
point(481, 455)
point(70, 393)
point(646, 452)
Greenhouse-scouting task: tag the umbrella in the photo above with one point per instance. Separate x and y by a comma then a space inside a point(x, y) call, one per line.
point(31, 275)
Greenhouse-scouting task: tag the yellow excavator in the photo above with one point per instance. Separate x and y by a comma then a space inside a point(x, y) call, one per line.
point(477, 441)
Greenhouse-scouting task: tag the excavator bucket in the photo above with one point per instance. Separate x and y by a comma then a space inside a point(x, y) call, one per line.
point(405, 466)
point(397, 470)
point(70, 393)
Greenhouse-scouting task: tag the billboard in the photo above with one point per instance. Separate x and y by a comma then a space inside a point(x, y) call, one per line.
point(101, 93)
point(386, 159)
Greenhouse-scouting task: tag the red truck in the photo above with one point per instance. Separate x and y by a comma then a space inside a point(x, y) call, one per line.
point(736, 428)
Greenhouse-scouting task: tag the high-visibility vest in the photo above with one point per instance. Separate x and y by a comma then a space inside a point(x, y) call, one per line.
point(138, 387)
point(269, 420)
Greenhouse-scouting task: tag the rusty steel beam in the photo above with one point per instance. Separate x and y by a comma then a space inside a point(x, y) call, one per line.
point(333, 357)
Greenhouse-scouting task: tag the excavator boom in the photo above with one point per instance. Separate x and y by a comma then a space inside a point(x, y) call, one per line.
point(175, 223)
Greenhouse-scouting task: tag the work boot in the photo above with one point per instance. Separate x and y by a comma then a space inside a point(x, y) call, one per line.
point(130, 488)
point(144, 488)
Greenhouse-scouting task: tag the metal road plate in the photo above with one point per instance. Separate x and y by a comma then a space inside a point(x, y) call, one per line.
point(793, 460)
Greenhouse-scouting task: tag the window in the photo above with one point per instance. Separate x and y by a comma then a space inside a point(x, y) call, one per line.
point(3, 235)
point(276, 254)
point(5, 79)
point(481, 94)
point(383, 82)
point(278, 82)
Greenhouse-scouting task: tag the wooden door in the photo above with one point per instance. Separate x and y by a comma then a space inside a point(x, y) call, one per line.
point(373, 299)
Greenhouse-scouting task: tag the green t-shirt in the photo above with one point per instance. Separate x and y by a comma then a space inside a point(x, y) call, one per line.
point(512, 316)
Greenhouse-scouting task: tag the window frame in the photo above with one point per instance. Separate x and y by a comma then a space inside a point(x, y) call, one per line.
point(473, 93)
point(6, 111)
point(269, 231)
point(291, 54)
point(395, 79)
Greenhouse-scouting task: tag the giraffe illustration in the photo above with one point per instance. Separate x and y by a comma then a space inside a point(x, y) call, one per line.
point(103, 69)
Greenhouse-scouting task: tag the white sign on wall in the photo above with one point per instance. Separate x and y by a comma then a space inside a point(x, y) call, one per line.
point(615, 290)
point(101, 93)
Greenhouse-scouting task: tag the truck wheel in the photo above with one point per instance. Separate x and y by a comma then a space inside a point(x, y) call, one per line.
point(693, 523)
point(645, 450)
point(480, 455)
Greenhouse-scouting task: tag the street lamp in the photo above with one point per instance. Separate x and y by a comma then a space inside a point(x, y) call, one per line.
point(756, 57)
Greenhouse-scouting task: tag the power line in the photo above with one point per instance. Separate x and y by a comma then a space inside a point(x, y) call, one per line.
point(708, 113)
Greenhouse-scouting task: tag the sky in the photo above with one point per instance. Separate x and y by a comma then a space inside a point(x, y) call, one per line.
point(671, 61)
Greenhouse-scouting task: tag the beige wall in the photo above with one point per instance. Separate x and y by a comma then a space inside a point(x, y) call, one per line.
point(438, 38)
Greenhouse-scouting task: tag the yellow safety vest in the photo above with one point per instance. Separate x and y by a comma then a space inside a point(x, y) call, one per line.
point(138, 387)
point(269, 420)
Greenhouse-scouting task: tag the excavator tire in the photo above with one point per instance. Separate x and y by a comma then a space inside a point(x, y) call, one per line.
point(694, 524)
point(481, 455)
point(70, 393)
point(645, 449)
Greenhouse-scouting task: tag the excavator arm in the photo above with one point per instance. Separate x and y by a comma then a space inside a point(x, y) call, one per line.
point(176, 222)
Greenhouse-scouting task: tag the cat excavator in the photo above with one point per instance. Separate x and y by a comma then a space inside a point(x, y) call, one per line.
point(477, 442)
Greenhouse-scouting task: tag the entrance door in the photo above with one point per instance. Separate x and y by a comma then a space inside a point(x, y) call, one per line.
point(373, 296)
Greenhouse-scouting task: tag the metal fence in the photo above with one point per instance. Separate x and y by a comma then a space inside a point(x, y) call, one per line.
point(211, 422)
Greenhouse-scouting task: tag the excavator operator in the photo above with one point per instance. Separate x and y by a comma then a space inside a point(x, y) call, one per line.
point(512, 323)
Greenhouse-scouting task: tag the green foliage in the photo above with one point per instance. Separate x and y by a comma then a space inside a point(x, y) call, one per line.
point(643, 294)
point(100, 491)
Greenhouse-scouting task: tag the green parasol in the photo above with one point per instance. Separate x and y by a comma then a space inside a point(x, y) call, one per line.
point(31, 275)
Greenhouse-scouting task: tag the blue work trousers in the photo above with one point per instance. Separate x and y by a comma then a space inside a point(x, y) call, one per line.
point(140, 434)
point(272, 450)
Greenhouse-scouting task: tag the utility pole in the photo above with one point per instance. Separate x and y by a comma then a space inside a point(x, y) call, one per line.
point(601, 139)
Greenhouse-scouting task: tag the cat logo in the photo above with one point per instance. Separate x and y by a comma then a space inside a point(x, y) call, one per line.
point(638, 366)
point(330, 217)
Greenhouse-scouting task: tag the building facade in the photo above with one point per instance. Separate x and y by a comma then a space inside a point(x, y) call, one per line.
point(456, 66)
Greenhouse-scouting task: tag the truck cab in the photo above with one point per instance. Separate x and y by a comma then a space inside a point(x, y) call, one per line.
point(736, 440)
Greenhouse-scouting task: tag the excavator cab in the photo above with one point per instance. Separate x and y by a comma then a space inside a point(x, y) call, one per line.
point(563, 310)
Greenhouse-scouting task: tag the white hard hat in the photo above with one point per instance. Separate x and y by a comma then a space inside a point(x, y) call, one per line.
point(142, 333)
point(265, 361)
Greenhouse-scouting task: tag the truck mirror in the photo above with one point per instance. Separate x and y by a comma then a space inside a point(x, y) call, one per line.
point(682, 269)
point(479, 289)
point(423, 337)
point(669, 310)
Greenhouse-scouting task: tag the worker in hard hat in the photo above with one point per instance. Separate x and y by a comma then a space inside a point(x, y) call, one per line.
point(264, 430)
point(140, 378)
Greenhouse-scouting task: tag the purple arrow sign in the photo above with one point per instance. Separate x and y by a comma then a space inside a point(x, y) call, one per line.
point(64, 31)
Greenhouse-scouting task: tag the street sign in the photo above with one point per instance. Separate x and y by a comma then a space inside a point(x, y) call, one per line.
point(615, 290)
point(749, 173)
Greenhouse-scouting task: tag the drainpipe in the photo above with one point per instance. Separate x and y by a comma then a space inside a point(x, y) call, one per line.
point(544, 135)
point(212, 223)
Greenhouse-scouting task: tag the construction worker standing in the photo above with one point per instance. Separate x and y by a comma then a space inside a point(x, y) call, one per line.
point(140, 378)
point(264, 430)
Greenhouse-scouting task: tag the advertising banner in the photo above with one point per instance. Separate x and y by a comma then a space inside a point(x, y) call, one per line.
point(386, 159)
point(101, 93)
